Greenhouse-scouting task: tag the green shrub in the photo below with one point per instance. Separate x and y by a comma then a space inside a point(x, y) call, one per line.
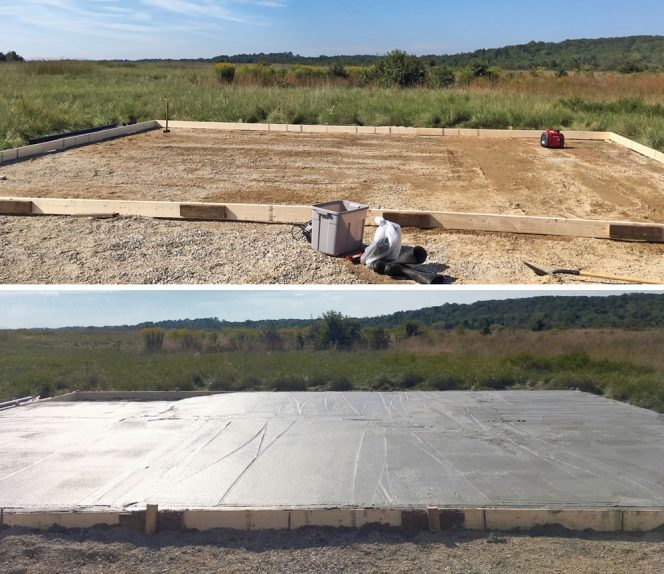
point(442, 77)
point(633, 64)
point(304, 75)
point(447, 382)
point(342, 384)
point(153, 339)
point(186, 340)
point(336, 331)
point(260, 74)
point(382, 383)
point(338, 70)
point(225, 72)
point(289, 384)
point(410, 380)
point(219, 383)
point(400, 69)
point(377, 338)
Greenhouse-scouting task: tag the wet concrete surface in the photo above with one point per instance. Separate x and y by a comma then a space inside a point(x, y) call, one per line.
point(523, 449)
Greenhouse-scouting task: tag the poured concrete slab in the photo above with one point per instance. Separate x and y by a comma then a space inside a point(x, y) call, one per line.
point(316, 450)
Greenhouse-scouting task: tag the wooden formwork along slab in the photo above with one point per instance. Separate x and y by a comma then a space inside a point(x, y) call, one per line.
point(257, 213)
point(85, 139)
point(382, 130)
point(433, 519)
point(75, 141)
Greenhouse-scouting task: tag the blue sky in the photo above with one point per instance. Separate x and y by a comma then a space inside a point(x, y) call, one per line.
point(52, 308)
point(96, 29)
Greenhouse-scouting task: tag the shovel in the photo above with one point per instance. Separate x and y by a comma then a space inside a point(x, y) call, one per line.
point(579, 273)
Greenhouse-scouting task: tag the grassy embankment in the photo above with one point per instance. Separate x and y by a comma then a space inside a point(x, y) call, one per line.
point(39, 98)
point(623, 365)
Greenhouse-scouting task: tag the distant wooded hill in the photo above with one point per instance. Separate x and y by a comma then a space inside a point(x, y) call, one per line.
point(632, 53)
point(627, 54)
point(634, 311)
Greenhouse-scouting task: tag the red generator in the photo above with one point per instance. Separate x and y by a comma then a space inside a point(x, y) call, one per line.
point(553, 139)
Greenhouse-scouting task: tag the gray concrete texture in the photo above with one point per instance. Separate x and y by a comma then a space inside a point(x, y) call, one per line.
point(317, 450)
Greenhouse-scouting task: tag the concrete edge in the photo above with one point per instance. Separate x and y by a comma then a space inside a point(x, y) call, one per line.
point(28, 151)
point(606, 520)
point(133, 396)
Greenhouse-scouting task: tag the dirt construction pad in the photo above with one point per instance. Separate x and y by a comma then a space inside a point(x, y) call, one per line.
point(590, 179)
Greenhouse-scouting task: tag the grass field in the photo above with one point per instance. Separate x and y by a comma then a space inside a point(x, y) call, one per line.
point(623, 365)
point(40, 98)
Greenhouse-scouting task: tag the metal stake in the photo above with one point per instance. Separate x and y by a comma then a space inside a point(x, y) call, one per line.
point(167, 131)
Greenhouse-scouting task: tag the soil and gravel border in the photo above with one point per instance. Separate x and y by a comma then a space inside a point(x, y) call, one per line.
point(369, 550)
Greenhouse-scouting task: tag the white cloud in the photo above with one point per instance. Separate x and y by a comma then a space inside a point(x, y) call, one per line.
point(64, 23)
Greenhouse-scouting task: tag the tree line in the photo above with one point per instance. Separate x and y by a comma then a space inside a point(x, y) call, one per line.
point(626, 54)
point(629, 311)
point(335, 331)
point(10, 57)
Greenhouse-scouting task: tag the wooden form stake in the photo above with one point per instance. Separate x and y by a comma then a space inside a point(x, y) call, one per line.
point(285, 214)
point(151, 516)
point(434, 519)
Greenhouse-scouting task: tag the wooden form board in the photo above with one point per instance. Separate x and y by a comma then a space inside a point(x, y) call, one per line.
point(604, 519)
point(73, 141)
point(15, 207)
point(378, 130)
point(618, 230)
point(624, 231)
point(397, 130)
point(85, 139)
point(658, 156)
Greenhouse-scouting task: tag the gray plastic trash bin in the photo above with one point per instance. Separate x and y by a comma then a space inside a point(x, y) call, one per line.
point(338, 227)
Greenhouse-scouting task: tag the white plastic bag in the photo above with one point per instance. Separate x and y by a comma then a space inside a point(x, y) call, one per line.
point(386, 245)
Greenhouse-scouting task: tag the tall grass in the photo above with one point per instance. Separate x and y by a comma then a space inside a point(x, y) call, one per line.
point(49, 363)
point(47, 97)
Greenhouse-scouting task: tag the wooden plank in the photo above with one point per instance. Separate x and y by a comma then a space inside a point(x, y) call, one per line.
point(421, 220)
point(203, 211)
point(519, 224)
point(15, 207)
point(637, 147)
point(647, 233)
point(429, 131)
point(169, 210)
point(313, 129)
point(151, 517)
point(71, 141)
point(384, 130)
point(433, 515)
point(403, 131)
point(341, 129)
point(258, 213)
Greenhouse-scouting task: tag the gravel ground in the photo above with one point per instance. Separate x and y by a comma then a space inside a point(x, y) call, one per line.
point(64, 250)
point(366, 551)
point(59, 250)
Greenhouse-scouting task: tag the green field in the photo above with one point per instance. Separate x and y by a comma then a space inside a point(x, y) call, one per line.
point(40, 98)
point(623, 365)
